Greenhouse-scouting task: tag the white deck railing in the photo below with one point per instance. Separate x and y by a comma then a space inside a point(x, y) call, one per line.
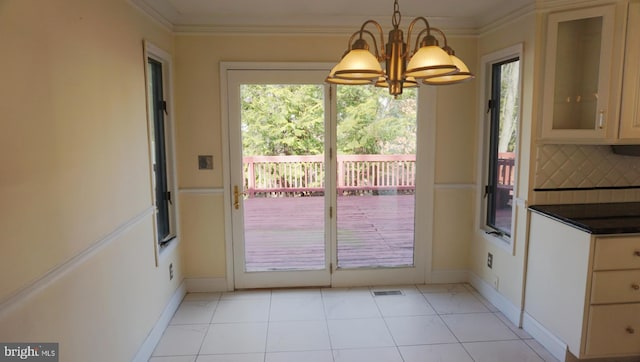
point(357, 174)
point(305, 174)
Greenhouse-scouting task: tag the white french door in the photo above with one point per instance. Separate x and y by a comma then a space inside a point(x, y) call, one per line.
point(316, 196)
point(278, 240)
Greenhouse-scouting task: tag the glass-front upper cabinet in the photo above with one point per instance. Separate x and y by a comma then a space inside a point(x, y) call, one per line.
point(577, 74)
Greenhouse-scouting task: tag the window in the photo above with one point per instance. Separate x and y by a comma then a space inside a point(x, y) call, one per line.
point(504, 113)
point(160, 141)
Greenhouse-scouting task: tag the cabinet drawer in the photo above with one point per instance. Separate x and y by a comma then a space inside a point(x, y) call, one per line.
point(617, 253)
point(614, 330)
point(615, 287)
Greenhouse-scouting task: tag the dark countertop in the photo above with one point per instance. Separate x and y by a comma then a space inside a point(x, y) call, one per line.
point(607, 218)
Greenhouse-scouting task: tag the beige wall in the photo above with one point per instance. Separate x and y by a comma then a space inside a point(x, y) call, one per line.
point(75, 174)
point(456, 124)
point(455, 168)
point(508, 266)
point(202, 232)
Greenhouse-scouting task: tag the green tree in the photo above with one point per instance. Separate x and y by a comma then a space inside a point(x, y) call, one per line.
point(282, 119)
point(509, 110)
point(289, 120)
point(370, 121)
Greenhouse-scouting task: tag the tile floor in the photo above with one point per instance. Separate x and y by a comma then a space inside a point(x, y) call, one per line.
point(426, 323)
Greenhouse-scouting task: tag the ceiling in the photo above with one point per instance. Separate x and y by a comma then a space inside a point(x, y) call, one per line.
point(324, 15)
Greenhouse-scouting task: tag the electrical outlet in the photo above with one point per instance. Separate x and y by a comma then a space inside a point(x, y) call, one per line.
point(171, 271)
point(495, 281)
point(490, 260)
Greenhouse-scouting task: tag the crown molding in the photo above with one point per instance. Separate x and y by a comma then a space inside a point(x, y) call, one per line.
point(546, 5)
point(312, 25)
point(449, 26)
point(152, 13)
point(509, 18)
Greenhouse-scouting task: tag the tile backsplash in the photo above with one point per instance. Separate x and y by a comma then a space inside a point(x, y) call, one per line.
point(586, 170)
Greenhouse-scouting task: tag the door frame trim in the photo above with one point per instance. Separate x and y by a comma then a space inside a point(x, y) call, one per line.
point(427, 111)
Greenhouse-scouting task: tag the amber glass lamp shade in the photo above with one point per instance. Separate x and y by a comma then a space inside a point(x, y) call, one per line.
point(462, 76)
point(358, 64)
point(430, 61)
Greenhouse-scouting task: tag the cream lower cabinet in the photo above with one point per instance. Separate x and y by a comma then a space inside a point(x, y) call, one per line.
point(584, 289)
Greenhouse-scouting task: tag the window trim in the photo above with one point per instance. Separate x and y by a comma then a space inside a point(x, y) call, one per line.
point(486, 233)
point(156, 54)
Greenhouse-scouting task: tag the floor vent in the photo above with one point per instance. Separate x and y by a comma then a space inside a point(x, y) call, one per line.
point(378, 293)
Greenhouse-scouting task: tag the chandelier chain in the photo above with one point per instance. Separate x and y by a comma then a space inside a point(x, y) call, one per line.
point(395, 20)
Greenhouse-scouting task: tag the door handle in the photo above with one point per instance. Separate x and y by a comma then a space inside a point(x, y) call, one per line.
point(601, 119)
point(236, 197)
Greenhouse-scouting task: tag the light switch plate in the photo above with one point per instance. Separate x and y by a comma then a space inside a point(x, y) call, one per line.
point(205, 162)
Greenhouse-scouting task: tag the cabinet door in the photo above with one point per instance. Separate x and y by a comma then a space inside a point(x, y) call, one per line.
point(613, 330)
point(558, 278)
point(630, 113)
point(578, 73)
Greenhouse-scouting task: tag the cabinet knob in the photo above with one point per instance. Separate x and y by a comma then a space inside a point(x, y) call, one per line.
point(630, 330)
point(635, 286)
point(636, 253)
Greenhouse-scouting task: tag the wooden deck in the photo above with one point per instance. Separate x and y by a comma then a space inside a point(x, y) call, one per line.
point(288, 233)
point(284, 218)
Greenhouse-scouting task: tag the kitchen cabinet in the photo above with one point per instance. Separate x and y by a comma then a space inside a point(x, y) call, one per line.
point(630, 112)
point(581, 81)
point(584, 288)
point(578, 79)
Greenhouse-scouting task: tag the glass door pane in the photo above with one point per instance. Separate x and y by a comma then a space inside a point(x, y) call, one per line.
point(375, 186)
point(577, 73)
point(282, 128)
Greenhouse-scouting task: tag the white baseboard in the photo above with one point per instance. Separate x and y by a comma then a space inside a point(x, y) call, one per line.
point(555, 346)
point(206, 285)
point(449, 276)
point(504, 305)
point(145, 351)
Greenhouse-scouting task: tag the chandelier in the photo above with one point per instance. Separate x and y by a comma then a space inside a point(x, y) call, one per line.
point(429, 63)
